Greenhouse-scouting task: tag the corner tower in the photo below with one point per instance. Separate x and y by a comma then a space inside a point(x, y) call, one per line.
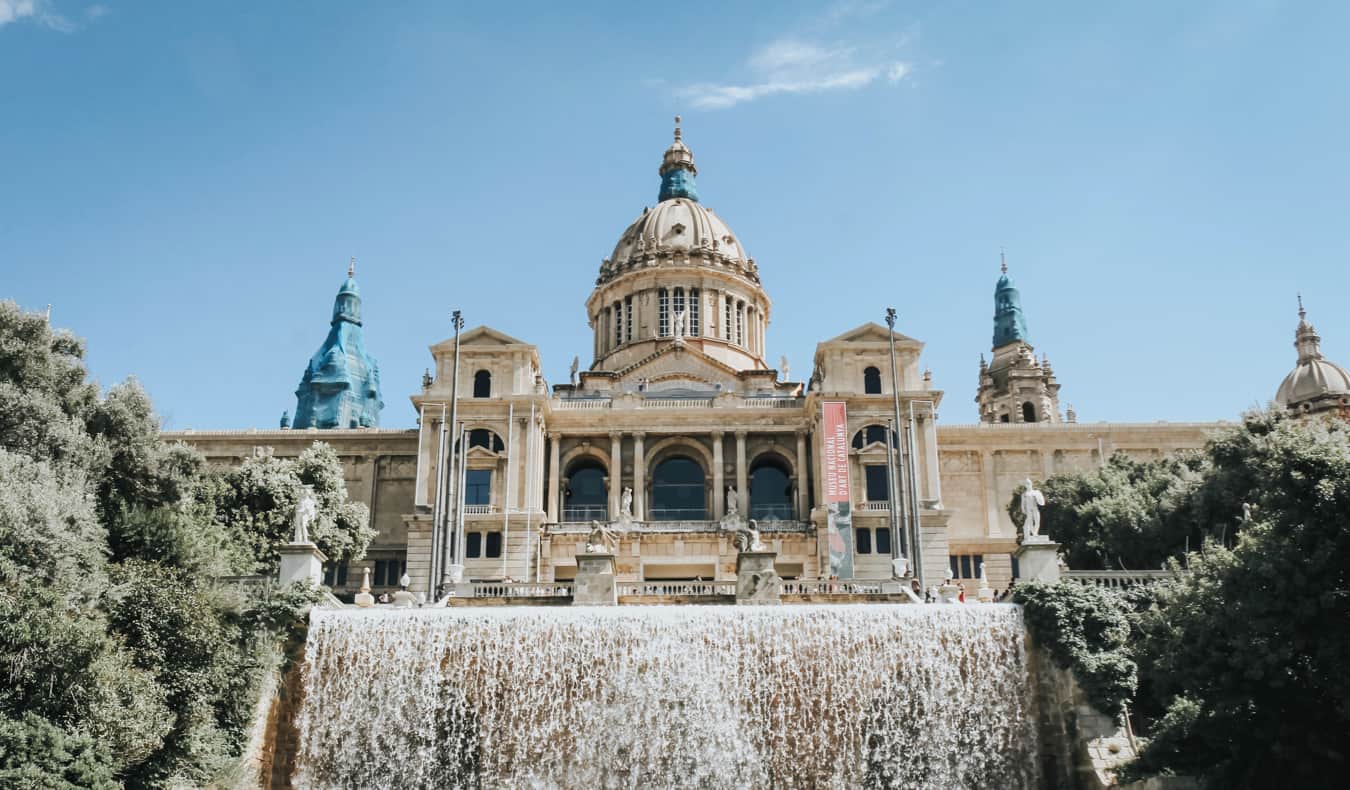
point(1014, 385)
point(341, 385)
point(678, 277)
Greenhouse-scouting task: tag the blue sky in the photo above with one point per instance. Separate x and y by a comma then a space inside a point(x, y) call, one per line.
point(185, 182)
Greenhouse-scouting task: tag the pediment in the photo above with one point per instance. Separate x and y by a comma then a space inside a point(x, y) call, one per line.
point(679, 371)
point(870, 332)
point(480, 336)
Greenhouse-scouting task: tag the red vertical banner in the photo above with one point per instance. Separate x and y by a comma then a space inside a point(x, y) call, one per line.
point(838, 491)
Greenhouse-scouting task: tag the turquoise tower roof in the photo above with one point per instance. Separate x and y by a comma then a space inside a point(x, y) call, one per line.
point(1010, 325)
point(341, 385)
point(677, 170)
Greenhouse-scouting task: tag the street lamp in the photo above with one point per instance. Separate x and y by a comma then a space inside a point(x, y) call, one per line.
point(898, 474)
point(452, 563)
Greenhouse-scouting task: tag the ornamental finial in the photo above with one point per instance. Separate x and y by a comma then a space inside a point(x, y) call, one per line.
point(351, 267)
point(677, 128)
point(1301, 312)
point(1002, 260)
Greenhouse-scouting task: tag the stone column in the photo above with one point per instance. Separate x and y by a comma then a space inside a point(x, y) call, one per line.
point(934, 488)
point(615, 473)
point(742, 486)
point(554, 459)
point(719, 484)
point(803, 504)
point(639, 477)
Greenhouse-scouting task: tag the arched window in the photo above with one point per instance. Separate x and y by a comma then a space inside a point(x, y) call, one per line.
point(740, 323)
point(587, 495)
point(628, 318)
point(1004, 418)
point(871, 381)
point(488, 440)
point(663, 312)
point(678, 491)
point(770, 489)
point(482, 384)
point(726, 321)
point(873, 434)
point(1028, 412)
point(618, 323)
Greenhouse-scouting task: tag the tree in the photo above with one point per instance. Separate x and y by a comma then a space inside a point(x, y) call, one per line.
point(1246, 654)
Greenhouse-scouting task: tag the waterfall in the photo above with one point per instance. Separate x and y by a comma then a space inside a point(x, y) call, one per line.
point(860, 695)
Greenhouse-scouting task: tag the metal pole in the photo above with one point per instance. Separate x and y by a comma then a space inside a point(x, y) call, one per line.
point(529, 489)
point(457, 320)
point(506, 498)
point(460, 548)
point(895, 396)
point(892, 490)
point(438, 510)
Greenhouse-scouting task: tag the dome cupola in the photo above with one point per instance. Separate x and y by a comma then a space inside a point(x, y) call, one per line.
point(677, 170)
point(1316, 383)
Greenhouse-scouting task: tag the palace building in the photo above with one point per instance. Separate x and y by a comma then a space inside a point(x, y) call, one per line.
point(680, 419)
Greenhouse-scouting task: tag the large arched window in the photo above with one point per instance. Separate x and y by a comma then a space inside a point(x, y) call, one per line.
point(482, 384)
point(678, 491)
point(587, 495)
point(871, 381)
point(488, 440)
point(1028, 412)
point(770, 489)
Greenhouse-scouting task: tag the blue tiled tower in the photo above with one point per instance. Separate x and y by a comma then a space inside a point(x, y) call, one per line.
point(341, 385)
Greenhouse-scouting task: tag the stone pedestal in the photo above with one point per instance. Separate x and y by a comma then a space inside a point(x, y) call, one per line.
point(301, 562)
point(1038, 560)
point(757, 580)
point(595, 580)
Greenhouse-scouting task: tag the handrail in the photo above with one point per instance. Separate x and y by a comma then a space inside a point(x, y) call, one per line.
point(1118, 579)
point(654, 588)
point(522, 589)
point(831, 587)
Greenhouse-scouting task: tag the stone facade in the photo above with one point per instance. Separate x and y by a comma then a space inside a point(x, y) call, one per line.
point(680, 407)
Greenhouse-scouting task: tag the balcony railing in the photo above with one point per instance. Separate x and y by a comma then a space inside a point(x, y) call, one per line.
point(686, 589)
point(478, 510)
point(886, 505)
point(584, 403)
point(831, 587)
point(677, 403)
point(772, 512)
point(773, 403)
point(522, 590)
point(585, 513)
point(1118, 579)
point(678, 514)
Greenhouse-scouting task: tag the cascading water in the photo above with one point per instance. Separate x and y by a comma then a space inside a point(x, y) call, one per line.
point(644, 696)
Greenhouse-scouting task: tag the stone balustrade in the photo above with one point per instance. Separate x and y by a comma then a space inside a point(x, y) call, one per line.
point(657, 589)
point(1118, 579)
point(651, 402)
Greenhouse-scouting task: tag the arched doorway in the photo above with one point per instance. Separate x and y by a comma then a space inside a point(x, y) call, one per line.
point(678, 491)
point(587, 495)
point(770, 489)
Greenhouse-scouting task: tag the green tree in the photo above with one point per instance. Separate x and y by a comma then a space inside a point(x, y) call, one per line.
point(1246, 654)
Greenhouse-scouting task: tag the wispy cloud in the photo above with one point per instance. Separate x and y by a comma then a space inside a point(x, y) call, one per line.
point(795, 66)
point(43, 13)
point(14, 10)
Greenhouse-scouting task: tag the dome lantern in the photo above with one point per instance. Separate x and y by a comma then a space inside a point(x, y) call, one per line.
point(678, 170)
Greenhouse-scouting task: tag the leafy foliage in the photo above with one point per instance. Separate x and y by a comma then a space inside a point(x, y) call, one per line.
point(1086, 631)
point(121, 660)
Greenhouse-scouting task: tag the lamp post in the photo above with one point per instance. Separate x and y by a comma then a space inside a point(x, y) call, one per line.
point(911, 535)
point(452, 565)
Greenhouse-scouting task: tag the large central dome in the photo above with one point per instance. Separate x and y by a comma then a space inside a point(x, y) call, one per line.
point(680, 276)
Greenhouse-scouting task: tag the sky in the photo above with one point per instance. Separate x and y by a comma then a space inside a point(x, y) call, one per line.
point(186, 182)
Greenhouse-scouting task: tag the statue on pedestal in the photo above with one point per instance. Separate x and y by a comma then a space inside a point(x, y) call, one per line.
point(677, 325)
point(305, 511)
point(626, 504)
point(572, 372)
point(602, 539)
point(746, 538)
point(1032, 502)
point(783, 368)
point(733, 502)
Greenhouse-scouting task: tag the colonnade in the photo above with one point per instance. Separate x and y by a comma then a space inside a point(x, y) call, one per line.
point(799, 475)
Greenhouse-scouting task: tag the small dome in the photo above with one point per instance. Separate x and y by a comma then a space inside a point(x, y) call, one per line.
point(1315, 377)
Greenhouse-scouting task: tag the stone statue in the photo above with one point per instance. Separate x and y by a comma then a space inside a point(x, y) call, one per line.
point(733, 502)
point(1032, 502)
point(572, 373)
point(747, 538)
point(783, 367)
point(626, 503)
point(677, 325)
point(602, 539)
point(305, 511)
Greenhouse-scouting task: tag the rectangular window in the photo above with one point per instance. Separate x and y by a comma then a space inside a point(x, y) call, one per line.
point(388, 572)
point(663, 312)
point(862, 540)
point(740, 323)
point(877, 478)
point(693, 313)
point(883, 540)
point(977, 561)
point(478, 487)
point(335, 574)
point(628, 318)
point(473, 545)
point(956, 569)
point(965, 566)
point(726, 321)
point(1016, 571)
point(493, 548)
point(618, 323)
